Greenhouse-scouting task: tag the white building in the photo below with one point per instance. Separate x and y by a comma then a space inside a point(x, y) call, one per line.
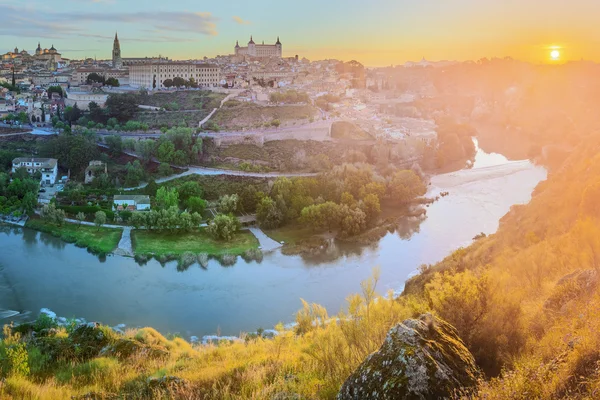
point(83, 96)
point(131, 202)
point(152, 75)
point(48, 167)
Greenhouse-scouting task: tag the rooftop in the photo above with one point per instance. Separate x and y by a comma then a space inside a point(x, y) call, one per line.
point(138, 198)
point(45, 162)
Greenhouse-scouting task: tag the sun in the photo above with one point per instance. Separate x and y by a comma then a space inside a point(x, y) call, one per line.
point(555, 54)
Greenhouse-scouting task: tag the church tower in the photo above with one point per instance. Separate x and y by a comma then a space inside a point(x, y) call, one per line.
point(116, 54)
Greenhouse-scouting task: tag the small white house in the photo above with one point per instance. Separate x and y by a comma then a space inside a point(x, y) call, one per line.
point(131, 202)
point(48, 167)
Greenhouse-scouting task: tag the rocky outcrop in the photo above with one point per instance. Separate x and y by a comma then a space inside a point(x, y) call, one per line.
point(570, 288)
point(420, 359)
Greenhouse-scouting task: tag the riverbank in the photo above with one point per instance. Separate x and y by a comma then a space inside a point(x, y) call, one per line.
point(100, 241)
point(168, 245)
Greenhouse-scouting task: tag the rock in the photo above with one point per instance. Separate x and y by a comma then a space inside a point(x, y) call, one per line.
point(420, 359)
point(571, 287)
point(126, 348)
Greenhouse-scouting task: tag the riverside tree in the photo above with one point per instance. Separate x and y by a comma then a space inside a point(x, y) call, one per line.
point(100, 219)
point(223, 227)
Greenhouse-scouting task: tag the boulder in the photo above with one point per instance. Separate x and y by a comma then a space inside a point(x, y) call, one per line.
point(420, 359)
point(570, 288)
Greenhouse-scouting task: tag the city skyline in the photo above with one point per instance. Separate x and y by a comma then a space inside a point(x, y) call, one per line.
point(389, 32)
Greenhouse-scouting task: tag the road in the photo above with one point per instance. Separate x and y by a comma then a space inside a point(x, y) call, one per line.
point(194, 170)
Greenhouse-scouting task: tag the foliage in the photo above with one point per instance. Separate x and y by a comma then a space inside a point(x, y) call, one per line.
point(166, 198)
point(100, 219)
point(223, 227)
point(229, 204)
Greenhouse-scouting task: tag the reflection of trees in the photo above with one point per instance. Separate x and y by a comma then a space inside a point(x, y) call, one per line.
point(51, 241)
point(30, 237)
point(409, 226)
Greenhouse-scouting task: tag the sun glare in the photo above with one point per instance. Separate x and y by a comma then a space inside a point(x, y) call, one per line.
point(555, 54)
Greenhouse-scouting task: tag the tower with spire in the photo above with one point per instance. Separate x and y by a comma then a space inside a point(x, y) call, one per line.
point(116, 53)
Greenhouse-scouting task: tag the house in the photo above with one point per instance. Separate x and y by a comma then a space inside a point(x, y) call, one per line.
point(47, 167)
point(131, 202)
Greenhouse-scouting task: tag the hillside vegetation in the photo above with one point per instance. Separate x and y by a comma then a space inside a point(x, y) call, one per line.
point(531, 326)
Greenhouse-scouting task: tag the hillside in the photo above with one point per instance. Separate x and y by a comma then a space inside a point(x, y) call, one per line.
point(524, 301)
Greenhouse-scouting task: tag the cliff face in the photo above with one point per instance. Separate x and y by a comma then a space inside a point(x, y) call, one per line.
point(420, 359)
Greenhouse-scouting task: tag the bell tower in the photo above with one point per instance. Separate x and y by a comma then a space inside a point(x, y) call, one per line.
point(116, 53)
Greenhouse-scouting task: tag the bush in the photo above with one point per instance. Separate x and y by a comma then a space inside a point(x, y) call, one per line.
point(203, 260)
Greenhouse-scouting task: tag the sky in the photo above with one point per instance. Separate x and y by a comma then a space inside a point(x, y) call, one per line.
point(374, 32)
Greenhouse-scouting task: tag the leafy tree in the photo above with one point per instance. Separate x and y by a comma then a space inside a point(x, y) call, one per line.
point(166, 198)
point(322, 216)
point(268, 215)
point(80, 217)
point(121, 107)
point(164, 169)
point(54, 89)
point(371, 207)
point(223, 227)
point(405, 186)
point(52, 215)
point(100, 219)
point(348, 199)
point(229, 203)
point(165, 151)
point(138, 219)
point(352, 220)
point(95, 78)
point(195, 204)
point(73, 151)
point(96, 112)
point(135, 173)
point(114, 143)
point(178, 81)
point(145, 149)
point(189, 189)
point(168, 83)
point(114, 82)
point(151, 188)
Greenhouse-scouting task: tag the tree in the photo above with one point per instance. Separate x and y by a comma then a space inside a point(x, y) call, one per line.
point(121, 107)
point(268, 214)
point(178, 81)
point(371, 207)
point(166, 198)
point(164, 169)
point(135, 173)
point(165, 151)
point(100, 219)
point(145, 149)
point(229, 203)
point(52, 215)
point(95, 78)
point(168, 83)
point(322, 216)
point(96, 112)
point(114, 82)
point(138, 219)
point(189, 189)
point(405, 186)
point(80, 217)
point(223, 227)
point(195, 204)
point(114, 143)
point(352, 220)
point(54, 89)
point(72, 114)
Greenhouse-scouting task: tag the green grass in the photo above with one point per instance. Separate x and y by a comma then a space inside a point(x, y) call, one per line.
point(164, 243)
point(101, 241)
point(290, 234)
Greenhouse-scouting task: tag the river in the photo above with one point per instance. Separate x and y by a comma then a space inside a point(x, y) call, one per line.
point(38, 270)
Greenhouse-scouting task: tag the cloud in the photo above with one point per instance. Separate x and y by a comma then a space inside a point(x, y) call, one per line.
point(240, 21)
point(27, 22)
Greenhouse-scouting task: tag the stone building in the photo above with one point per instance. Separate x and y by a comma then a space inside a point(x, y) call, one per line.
point(259, 50)
point(153, 75)
point(94, 169)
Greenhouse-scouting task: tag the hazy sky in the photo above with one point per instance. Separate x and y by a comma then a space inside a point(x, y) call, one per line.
point(375, 32)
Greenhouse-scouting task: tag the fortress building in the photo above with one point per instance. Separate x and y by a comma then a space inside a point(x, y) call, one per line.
point(259, 50)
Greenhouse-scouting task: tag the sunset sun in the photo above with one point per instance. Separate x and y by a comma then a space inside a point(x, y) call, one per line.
point(555, 54)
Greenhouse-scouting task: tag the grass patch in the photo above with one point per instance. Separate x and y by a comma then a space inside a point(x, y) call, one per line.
point(165, 243)
point(99, 241)
point(290, 234)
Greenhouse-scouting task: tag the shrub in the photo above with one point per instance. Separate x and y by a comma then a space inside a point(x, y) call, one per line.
point(203, 260)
